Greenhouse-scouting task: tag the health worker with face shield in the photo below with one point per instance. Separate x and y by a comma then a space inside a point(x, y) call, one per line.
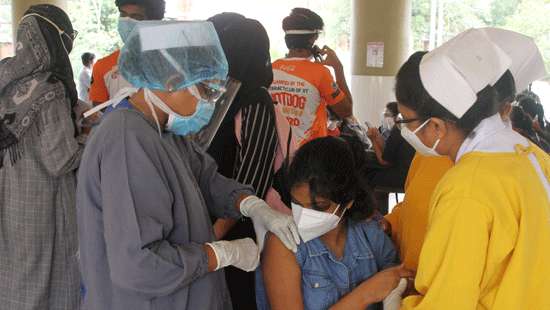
point(486, 245)
point(146, 194)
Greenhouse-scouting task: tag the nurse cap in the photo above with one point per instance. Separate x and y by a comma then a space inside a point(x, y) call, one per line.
point(527, 62)
point(456, 71)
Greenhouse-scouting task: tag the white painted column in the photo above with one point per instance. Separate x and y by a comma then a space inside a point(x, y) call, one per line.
point(377, 23)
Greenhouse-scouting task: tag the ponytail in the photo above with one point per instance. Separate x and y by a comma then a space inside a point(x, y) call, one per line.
point(364, 201)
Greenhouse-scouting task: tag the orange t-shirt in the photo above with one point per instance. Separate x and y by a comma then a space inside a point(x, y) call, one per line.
point(304, 89)
point(106, 80)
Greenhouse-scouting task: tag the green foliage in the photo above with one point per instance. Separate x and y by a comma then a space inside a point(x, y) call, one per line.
point(420, 23)
point(337, 17)
point(501, 10)
point(96, 22)
point(529, 17)
point(461, 15)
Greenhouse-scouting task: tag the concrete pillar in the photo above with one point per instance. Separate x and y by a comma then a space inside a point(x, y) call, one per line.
point(380, 45)
point(18, 7)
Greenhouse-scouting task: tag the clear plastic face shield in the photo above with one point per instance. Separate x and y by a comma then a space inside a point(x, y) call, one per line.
point(222, 104)
point(174, 56)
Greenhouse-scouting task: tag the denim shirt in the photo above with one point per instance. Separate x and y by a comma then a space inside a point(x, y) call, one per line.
point(325, 279)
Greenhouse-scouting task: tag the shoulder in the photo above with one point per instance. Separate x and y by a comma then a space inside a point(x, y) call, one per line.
point(105, 64)
point(369, 240)
point(276, 253)
point(126, 126)
point(369, 229)
point(260, 107)
point(476, 169)
point(470, 186)
point(295, 64)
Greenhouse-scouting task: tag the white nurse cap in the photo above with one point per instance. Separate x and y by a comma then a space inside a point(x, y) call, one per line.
point(456, 71)
point(527, 62)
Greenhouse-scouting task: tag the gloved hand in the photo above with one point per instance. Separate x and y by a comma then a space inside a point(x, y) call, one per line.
point(241, 253)
point(265, 219)
point(393, 300)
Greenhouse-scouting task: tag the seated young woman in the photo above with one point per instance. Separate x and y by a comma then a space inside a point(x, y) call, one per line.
point(344, 258)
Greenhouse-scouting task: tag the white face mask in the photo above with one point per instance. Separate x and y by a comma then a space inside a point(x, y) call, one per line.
point(416, 143)
point(313, 224)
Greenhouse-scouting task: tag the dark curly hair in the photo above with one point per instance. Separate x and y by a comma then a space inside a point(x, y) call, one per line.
point(334, 169)
point(153, 8)
point(410, 92)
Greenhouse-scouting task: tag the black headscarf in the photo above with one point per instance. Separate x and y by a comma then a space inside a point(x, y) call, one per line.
point(60, 62)
point(246, 46)
point(32, 77)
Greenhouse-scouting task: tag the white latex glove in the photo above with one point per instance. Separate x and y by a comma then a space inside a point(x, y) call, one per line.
point(266, 219)
point(393, 300)
point(241, 253)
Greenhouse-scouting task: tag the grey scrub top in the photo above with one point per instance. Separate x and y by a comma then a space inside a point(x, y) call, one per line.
point(144, 205)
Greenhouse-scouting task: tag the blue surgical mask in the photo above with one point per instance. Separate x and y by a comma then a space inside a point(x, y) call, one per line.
point(125, 27)
point(186, 125)
point(178, 124)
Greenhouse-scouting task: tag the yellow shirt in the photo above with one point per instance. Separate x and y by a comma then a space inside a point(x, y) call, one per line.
point(409, 218)
point(488, 239)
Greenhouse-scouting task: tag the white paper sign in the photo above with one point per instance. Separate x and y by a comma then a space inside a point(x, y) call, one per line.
point(375, 54)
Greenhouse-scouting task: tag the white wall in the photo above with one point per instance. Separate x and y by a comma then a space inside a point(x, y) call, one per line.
point(370, 96)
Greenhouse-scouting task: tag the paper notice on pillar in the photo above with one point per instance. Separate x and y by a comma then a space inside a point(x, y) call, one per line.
point(375, 54)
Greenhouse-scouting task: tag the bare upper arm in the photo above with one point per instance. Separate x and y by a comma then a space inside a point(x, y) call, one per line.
point(282, 276)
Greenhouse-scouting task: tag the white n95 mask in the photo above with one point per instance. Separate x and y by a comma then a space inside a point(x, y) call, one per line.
point(416, 143)
point(313, 224)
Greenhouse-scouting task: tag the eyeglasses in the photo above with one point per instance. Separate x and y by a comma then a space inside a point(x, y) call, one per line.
point(211, 92)
point(400, 121)
point(73, 35)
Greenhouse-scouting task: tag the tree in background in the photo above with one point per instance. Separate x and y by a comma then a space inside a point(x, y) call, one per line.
point(337, 17)
point(529, 17)
point(420, 24)
point(96, 22)
point(500, 11)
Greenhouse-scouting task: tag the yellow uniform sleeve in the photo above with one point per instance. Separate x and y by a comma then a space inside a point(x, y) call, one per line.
point(393, 218)
point(395, 214)
point(453, 256)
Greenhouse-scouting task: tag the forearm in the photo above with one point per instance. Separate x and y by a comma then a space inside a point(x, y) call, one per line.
point(212, 261)
point(222, 227)
point(359, 298)
point(379, 151)
point(341, 81)
point(239, 201)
